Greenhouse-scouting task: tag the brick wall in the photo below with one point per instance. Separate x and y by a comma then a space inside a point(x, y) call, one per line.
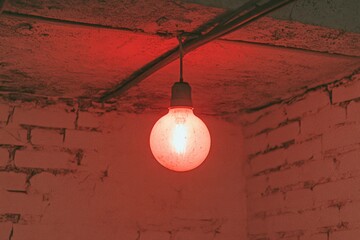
point(72, 170)
point(303, 167)
point(81, 171)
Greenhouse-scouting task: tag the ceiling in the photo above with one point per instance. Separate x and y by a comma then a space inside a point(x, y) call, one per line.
point(73, 49)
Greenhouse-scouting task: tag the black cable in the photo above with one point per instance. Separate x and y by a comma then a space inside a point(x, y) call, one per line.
point(181, 52)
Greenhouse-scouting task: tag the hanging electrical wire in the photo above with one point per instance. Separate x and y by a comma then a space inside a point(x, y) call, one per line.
point(181, 56)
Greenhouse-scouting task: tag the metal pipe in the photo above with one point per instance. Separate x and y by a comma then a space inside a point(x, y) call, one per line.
point(247, 13)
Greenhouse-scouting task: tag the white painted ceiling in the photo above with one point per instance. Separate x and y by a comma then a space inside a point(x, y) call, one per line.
point(305, 44)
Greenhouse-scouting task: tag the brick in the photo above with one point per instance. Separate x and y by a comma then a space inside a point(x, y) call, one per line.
point(4, 157)
point(266, 203)
point(283, 134)
point(293, 237)
point(230, 229)
point(268, 160)
point(154, 235)
point(186, 235)
point(346, 92)
point(47, 137)
point(256, 117)
point(308, 104)
point(33, 231)
point(4, 112)
point(304, 150)
point(94, 161)
point(345, 235)
point(325, 217)
point(82, 139)
point(318, 170)
point(350, 212)
point(341, 136)
point(353, 111)
point(198, 223)
point(339, 190)
point(45, 182)
point(54, 116)
point(261, 236)
point(44, 159)
point(56, 230)
point(350, 162)
point(323, 120)
point(283, 178)
point(13, 136)
point(5, 229)
point(256, 226)
point(271, 119)
point(284, 222)
point(319, 236)
point(13, 181)
point(256, 185)
point(14, 202)
point(304, 220)
point(289, 235)
point(256, 144)
point(252, 117)
point(299, 199)
point(90, 120)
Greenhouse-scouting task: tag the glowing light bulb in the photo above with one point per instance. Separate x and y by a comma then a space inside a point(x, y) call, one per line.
point(180, 141)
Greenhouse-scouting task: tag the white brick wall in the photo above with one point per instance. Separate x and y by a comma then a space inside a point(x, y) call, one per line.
point(4, 157)
point(67, 172)
point(50, 116)
point(309, 189)
point(44, 159)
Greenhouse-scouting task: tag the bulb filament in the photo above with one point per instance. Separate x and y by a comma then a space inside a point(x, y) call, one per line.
point(179, 139)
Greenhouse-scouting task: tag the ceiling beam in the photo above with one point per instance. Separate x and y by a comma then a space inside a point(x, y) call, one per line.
point(233, 20)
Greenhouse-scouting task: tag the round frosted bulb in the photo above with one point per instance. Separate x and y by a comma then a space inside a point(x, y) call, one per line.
point(180, 141)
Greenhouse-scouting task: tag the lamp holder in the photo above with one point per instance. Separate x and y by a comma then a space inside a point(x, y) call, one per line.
point(181, 91)
point(181, 95)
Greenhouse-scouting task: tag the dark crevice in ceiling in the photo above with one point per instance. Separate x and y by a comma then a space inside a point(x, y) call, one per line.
point(69, 22)
point(325, 53)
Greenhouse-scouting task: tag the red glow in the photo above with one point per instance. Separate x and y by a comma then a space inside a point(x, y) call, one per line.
point(180, 141)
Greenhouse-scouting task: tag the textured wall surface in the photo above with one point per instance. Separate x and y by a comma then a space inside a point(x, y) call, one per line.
point(67, 173)
point(303, 168)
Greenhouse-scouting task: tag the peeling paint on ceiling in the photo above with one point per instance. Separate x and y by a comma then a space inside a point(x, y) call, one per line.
point(267, 60)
